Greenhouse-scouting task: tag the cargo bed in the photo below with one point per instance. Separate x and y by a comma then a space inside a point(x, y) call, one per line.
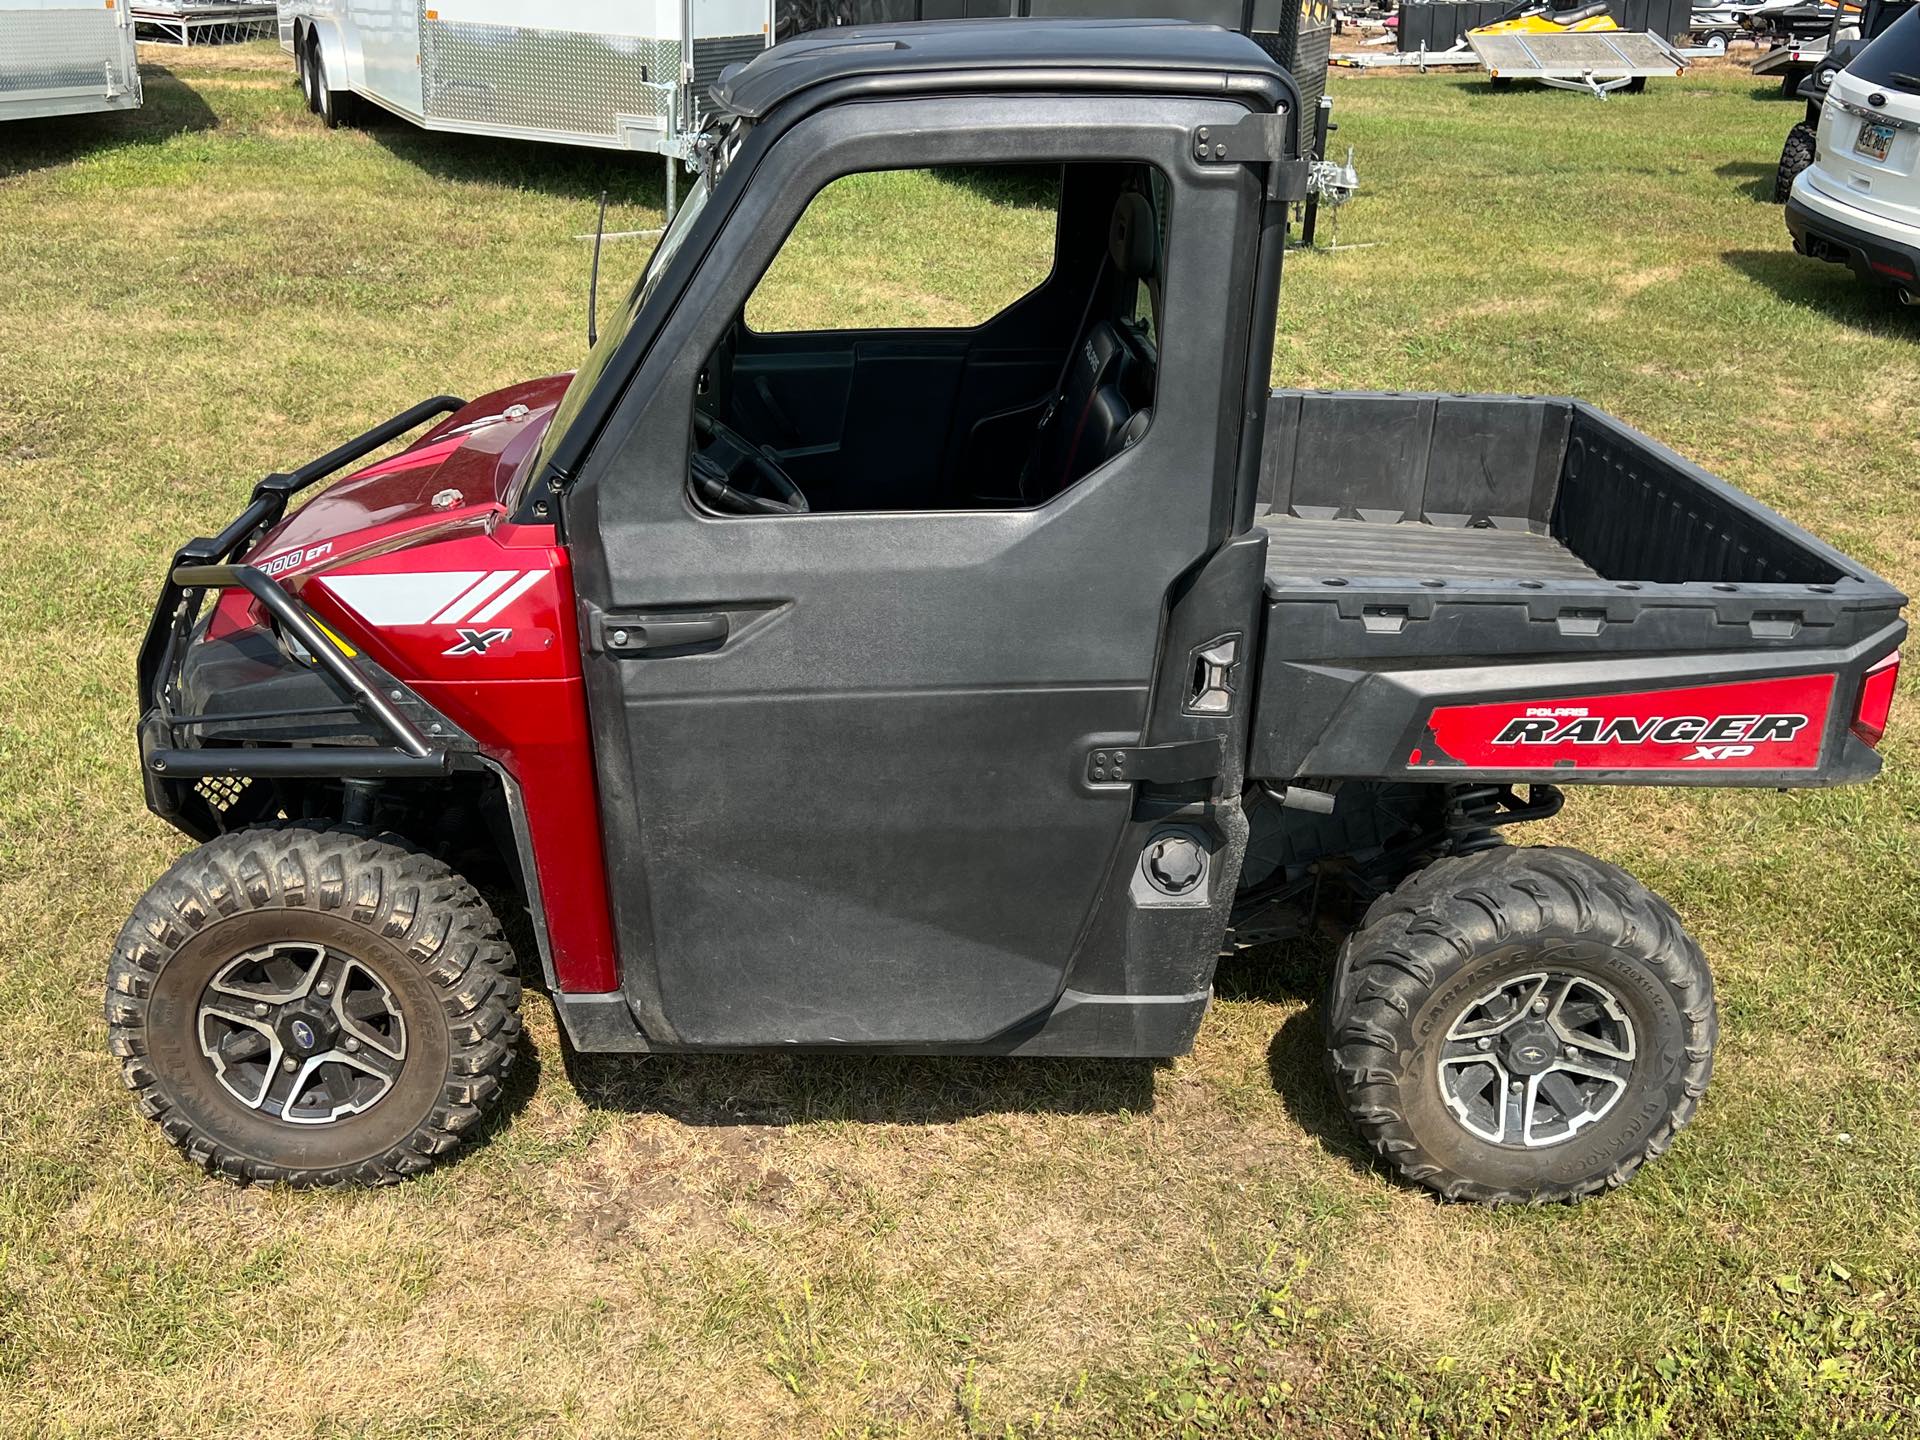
point(1434, 555)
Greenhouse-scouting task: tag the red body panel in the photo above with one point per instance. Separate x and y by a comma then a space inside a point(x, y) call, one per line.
point(1775, 724)
point(412, 561)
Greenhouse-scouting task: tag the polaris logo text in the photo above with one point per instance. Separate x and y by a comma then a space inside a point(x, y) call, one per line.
point(1724, 737)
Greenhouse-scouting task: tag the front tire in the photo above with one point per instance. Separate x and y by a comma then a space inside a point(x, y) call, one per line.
point(313, 1006)
point(1523, 1024)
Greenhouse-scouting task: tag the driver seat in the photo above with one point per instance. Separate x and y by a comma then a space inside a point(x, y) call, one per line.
point(1091, 419)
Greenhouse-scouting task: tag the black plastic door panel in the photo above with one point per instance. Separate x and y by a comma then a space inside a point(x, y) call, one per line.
point(863, 817)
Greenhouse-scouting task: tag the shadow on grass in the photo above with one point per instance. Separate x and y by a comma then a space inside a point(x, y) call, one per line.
point(170, 107)
point(569, 172)
point(1297, 1056)
point(785, 1089)
point(1832, 289)
point(1754, 178)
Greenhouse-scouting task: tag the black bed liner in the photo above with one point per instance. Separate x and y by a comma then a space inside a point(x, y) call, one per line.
point(1493, 486)
point(1301, 549)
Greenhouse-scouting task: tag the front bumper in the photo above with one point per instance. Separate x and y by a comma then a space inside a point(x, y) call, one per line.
point(1879, 251)
point(366, 724)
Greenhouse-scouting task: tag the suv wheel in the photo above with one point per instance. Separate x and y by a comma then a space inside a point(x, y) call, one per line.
point(1795, 156)
point(312, 1006)
point(1520, 1025)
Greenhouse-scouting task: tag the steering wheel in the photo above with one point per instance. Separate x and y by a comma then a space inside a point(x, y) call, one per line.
point(732, 474)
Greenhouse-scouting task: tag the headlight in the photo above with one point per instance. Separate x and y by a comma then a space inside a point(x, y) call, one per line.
point(291, 646)
point(1827, 77)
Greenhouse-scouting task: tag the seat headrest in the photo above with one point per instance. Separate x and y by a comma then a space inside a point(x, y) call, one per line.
point(1134, 239)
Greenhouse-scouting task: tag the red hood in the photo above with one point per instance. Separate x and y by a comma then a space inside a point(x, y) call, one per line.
point(477, 454)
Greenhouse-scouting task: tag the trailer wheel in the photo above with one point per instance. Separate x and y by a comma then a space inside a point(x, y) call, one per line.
point(1795, 156)
point(334, 107)
point(1523, 1024)
point(302, 76)
point(312, 1006)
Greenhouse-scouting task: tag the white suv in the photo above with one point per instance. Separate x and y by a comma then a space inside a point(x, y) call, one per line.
point(1858, 203)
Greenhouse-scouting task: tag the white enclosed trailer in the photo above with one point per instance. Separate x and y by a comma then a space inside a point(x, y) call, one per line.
point(620, 74)
point(64, 57)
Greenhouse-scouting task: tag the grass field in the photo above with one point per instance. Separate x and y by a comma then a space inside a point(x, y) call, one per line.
point(215, 287)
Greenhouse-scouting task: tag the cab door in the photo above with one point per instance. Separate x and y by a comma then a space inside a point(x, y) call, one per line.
point(845, 758)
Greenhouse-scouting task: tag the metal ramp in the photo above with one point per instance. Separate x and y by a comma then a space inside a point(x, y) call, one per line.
point(1598, 61)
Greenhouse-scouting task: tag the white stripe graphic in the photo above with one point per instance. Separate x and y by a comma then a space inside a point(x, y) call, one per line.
point(410, 599)
point(513, 592)
point(457, 611)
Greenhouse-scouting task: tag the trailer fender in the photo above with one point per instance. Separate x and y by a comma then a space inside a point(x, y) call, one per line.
point(333, 49)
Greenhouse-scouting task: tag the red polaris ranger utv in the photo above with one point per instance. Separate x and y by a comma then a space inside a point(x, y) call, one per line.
point(966, 690)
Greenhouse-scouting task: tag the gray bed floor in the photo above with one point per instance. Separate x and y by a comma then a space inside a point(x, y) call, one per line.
point(1316, 549)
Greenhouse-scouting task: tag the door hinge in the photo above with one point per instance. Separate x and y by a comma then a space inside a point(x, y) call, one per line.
point(1153, 764)
point(1262, 138)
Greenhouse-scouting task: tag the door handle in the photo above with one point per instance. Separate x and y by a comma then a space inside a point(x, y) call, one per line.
point(656, 634)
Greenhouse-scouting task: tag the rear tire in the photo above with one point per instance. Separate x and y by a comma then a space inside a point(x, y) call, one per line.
point(1795, 156)
point(1538, 968)
point(1636, 86)
point(313, 1006)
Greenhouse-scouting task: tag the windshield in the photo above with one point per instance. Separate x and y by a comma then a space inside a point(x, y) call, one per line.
point(671, 239)
point(1893, 60)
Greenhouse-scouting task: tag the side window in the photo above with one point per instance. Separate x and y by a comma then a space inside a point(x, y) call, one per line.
point(979, 338)
point(912, 250)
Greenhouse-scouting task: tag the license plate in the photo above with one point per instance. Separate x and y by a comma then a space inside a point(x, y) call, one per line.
point(1873, 141)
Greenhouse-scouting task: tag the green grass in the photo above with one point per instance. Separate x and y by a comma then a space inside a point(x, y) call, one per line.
point(213, 288)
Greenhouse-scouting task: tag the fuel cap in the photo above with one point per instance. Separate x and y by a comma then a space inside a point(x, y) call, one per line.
point(1175, 864)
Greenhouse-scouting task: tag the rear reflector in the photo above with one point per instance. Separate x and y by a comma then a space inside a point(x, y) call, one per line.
point(1876, 699)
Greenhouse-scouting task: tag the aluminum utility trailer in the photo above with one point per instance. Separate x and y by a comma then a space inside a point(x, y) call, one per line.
point(634, 74)
point(66, 58)
point(202, 22)
point(1597, 61)
point(617, 74)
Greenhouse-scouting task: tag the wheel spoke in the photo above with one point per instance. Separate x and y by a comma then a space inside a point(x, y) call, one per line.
point(377, 1063)
point(1475, 1088)
point(284, 1087)
point(1517, 1117)
point(1511, 1013)
point(245, 1043)
point(236, 1012)
point(1596, 1067)
point(1564, 1094)
point(366, 1011)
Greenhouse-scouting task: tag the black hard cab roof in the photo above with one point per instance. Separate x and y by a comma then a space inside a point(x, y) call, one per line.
point(1161, 56)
